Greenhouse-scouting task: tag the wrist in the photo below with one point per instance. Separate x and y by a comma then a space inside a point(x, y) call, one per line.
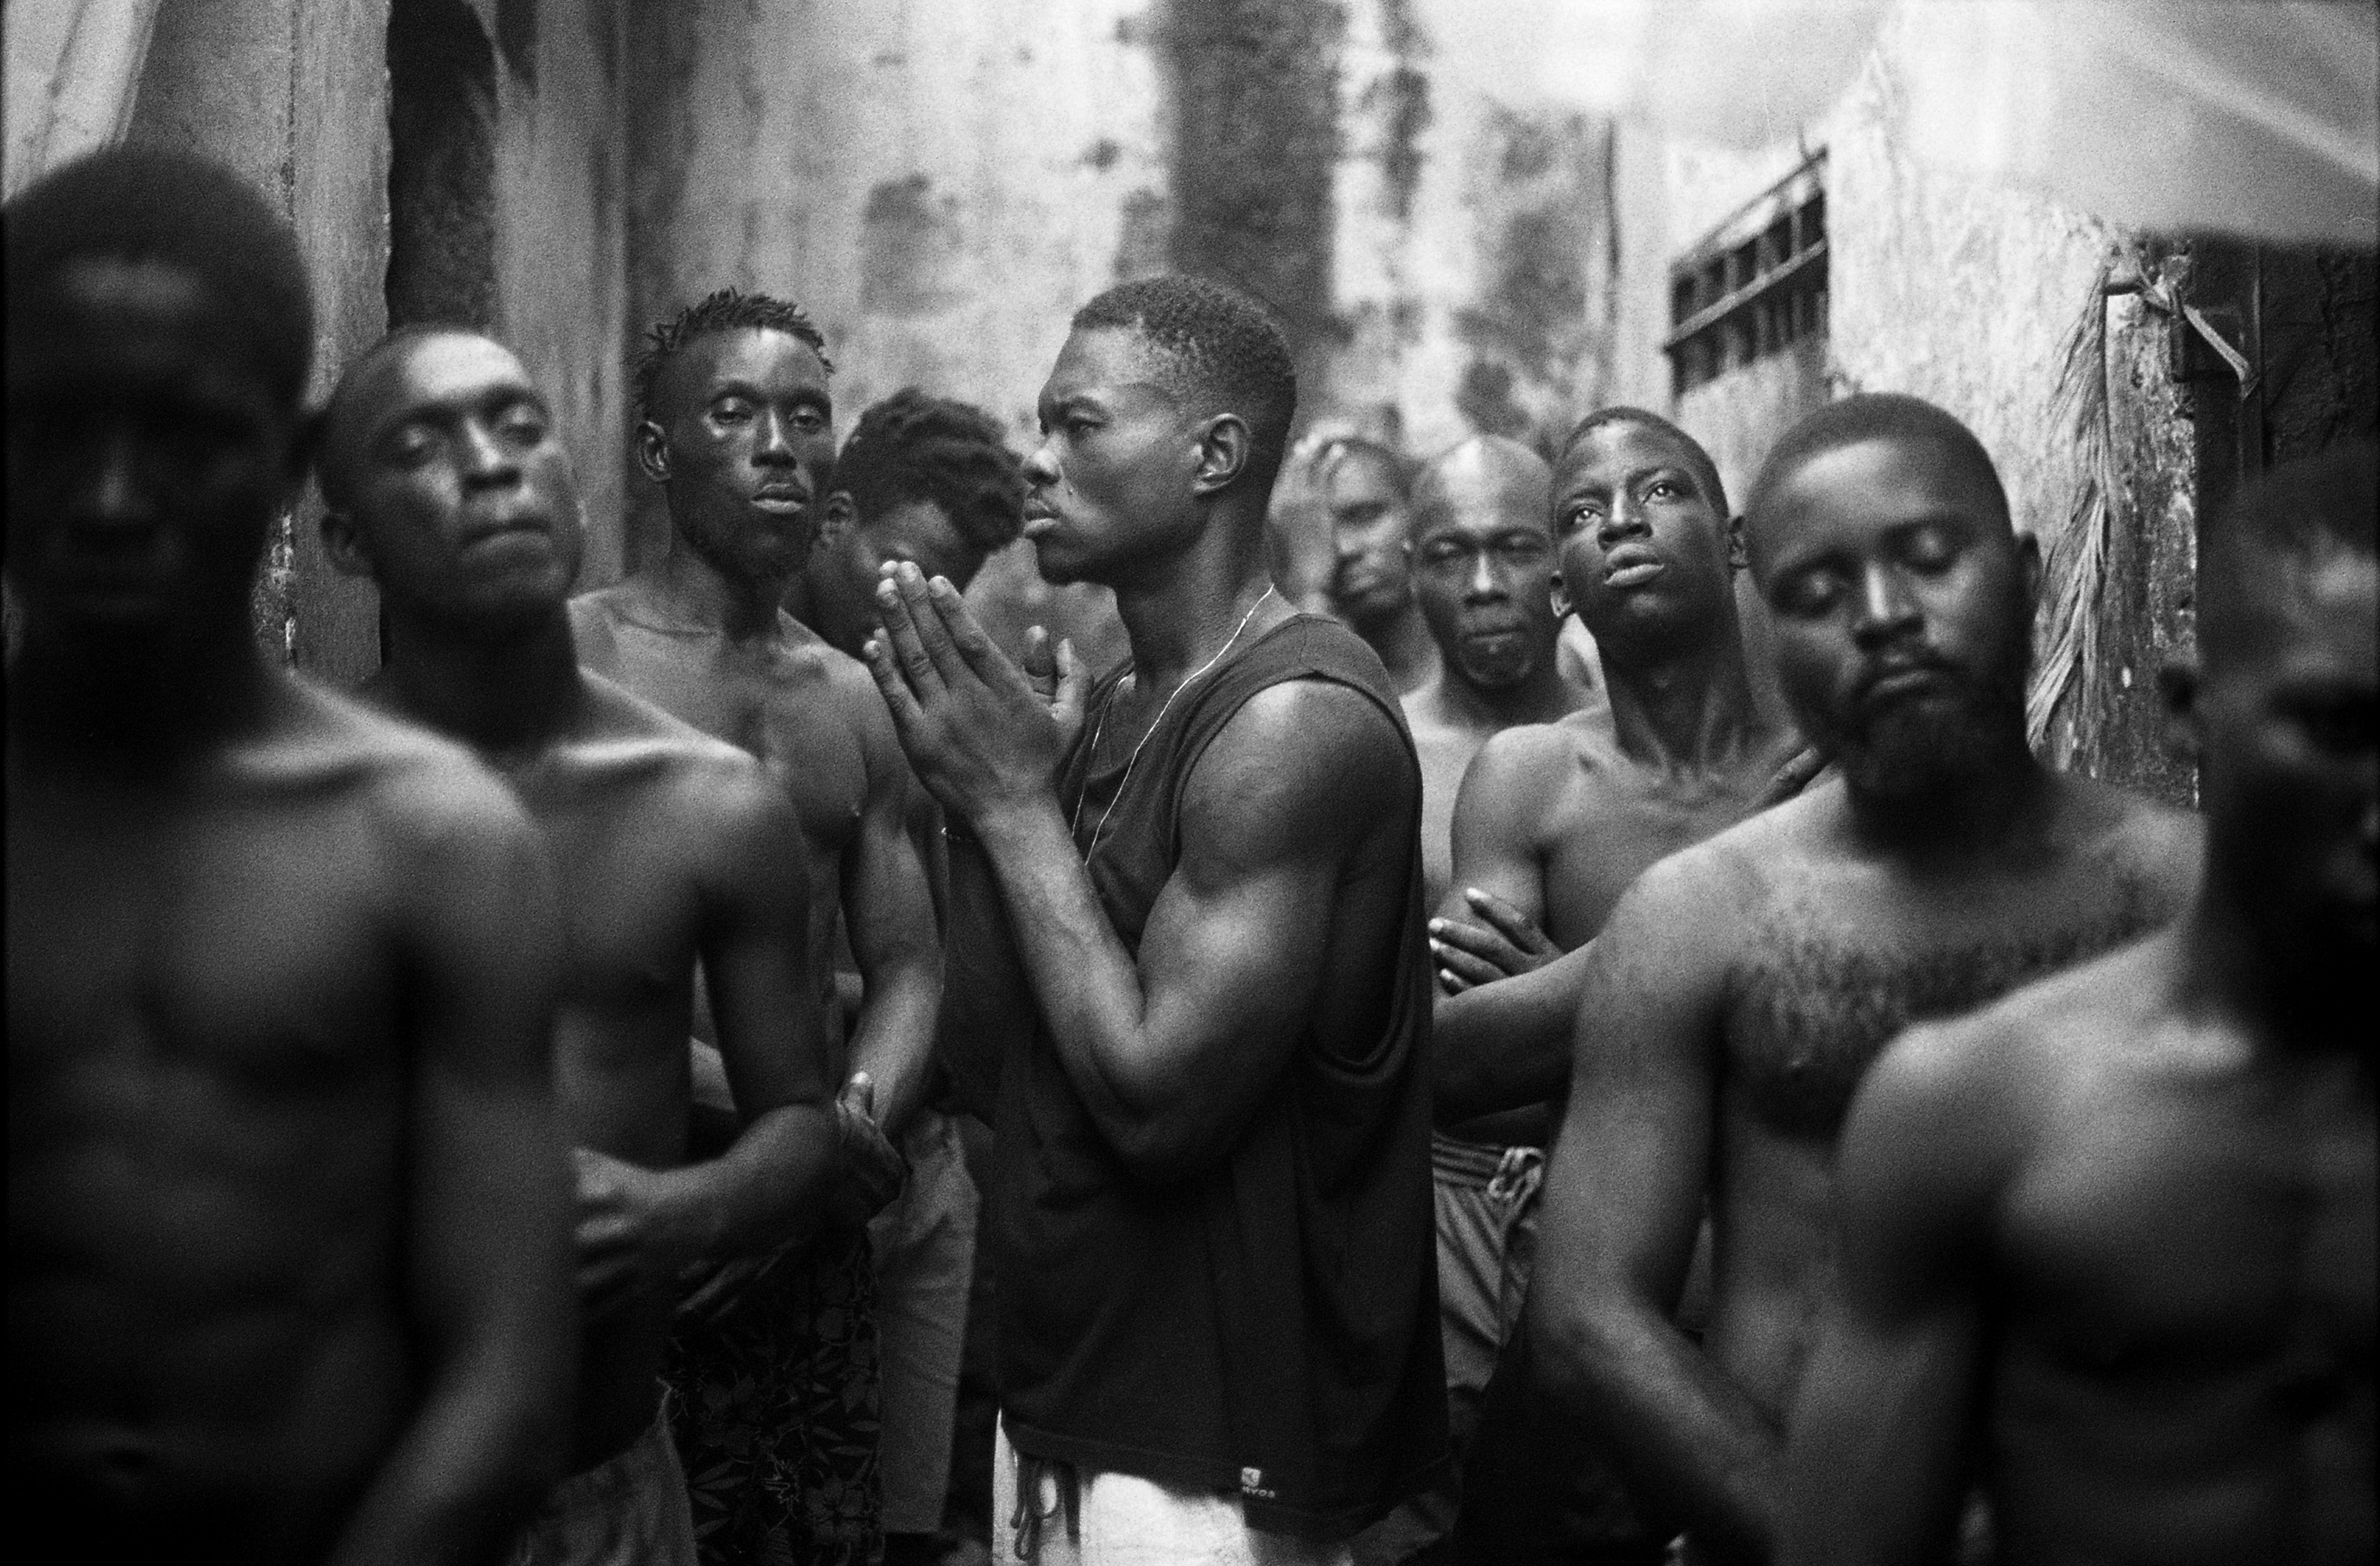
point(1006, 822)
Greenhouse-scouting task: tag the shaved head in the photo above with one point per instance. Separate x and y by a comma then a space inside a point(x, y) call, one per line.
point(1486, 473)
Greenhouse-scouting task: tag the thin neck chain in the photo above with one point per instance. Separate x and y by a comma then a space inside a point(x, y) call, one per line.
point(1101, 727)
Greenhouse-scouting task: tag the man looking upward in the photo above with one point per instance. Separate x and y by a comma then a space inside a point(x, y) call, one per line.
point(1367, 495)
point(738, 430)
point(448, 485)
point(1213, 1210)
point(1736, 995)
point(1554, 823)
point(2109, 1244)
point(289, 1225)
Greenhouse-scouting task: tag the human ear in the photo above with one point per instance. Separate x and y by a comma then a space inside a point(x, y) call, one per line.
point(1559, 591)
point(836, 522)
point(1224, 447)
point(2185, 724)
point(2028, 553)
point(1739, 558)
point(652, 452)
point(342, 543)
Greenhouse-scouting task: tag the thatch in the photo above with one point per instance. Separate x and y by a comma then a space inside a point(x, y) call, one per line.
point(2075, 569)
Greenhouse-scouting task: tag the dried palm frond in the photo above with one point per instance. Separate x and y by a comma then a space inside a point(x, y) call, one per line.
point(2076, 566)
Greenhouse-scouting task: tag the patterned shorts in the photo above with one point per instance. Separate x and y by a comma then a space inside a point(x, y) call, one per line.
point(776, 1414)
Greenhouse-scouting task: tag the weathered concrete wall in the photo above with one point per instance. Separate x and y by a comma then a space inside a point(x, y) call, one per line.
point(940, 185)
point(1969, 295)
point(560, 237)
point(293, 94)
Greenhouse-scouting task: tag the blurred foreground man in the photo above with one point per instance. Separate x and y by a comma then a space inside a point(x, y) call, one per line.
point(448, 485)
point(778, 1406)
point(288, 1232)
point(1735, 997)
point(1555, 821)
point(1212, 1212)
point(1368, 493)
point(2111, 1245)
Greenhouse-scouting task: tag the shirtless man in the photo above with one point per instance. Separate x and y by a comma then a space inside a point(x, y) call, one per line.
point(448, 485)
point(931, 481)
point(1555, 820)
point(1483, 574)
point(1554, 823)
point(738, 430)
point(1368, 493)
point(1212, 1211)
point(1739, 991)
point(1483, 570)
point(288, 1232)
point(2111, 1245)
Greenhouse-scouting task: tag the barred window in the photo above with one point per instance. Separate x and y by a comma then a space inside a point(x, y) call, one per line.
point(1757, 284)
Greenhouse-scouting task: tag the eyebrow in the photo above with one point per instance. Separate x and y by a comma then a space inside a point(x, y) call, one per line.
point(442, 411)
point(1634, 476)
point(752, 393)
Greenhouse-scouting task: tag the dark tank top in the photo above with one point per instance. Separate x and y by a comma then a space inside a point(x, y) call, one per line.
point(1267, 1325)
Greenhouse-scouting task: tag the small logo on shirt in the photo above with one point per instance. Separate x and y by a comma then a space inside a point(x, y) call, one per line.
point(1252, 1483)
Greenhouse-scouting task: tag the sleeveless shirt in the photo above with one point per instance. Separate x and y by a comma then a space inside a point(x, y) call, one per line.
point(1269, 1325)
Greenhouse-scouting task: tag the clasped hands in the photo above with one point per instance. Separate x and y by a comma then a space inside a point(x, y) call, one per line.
point(982, 735)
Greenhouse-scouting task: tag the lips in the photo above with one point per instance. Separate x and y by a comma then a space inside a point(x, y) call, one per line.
point(1629, 567)
point(782, 502)
point(1892, 681)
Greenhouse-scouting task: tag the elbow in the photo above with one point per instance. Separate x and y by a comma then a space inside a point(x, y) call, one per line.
point(1583, 1340)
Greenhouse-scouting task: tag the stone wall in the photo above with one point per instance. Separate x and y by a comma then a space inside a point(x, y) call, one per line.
point(293, 95)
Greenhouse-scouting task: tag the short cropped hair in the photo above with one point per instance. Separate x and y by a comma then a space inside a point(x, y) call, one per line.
point(1339, 449)
point(1878, 416)
point(913, 447)
point(723, 309)
point(330, 470)
point(146, 203)
point(1705, 470)
point(2294, 518)
point(1221, 346)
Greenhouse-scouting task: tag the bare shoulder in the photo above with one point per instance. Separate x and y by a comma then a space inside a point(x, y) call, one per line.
point(1995, 1077)
point(2149, 847)
point(1528, 771)
point(712, 790)
point(427, 798)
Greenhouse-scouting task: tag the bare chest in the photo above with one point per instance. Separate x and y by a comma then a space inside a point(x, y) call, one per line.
point(1837, 971)
point(624, 857)
point(775, 702)
point(2181, 1229)
point(242, 945)
point(1607, 835)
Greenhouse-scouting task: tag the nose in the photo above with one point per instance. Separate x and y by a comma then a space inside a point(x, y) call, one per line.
point(1623, 519)
point(1347, 544)
point(488, 459)
point(776, 445)
point(1886, 608)
point(113, 495)
point(1483, 585)
point(1040, 468)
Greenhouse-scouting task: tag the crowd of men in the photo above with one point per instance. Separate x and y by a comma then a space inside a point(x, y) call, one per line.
point(1462, 1076)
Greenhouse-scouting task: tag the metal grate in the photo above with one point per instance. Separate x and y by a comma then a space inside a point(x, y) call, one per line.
point(1756, 284)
